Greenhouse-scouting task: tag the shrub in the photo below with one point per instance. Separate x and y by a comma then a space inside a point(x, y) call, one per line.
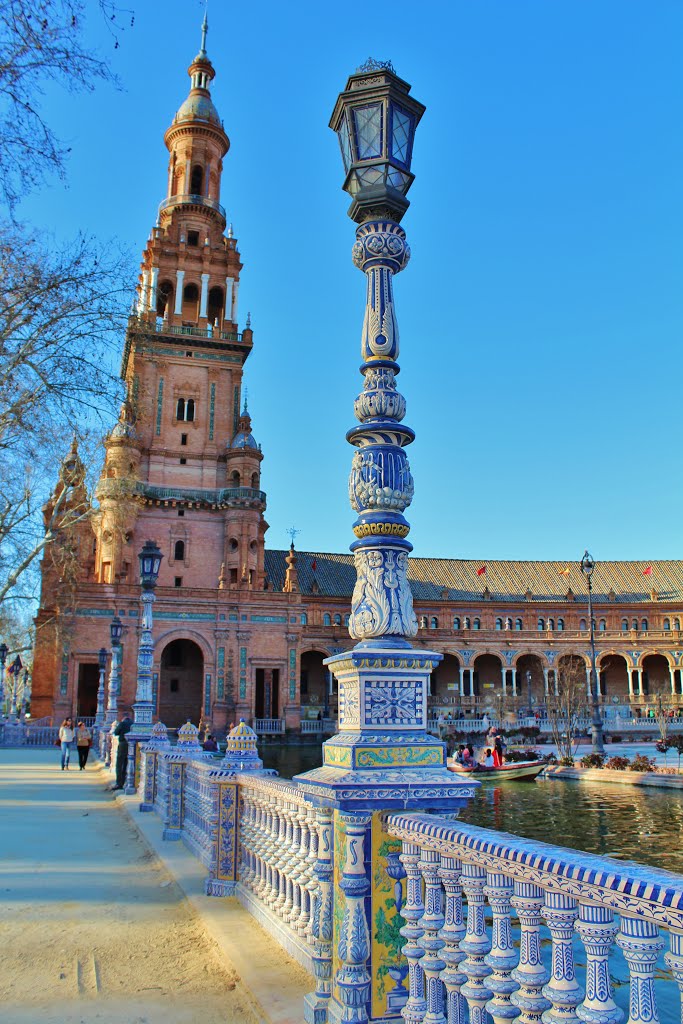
point(593, 761)
point(529, 732)
point(566, 761)
point(617, 763)
point(515, 756)
point(641, 763)
point(617, 739)
point(667, 771)
point(549, 758)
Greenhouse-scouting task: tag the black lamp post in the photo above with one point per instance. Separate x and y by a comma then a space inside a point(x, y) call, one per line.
point(587, 568)
point(15, 668)
point(143, 709)
point(102, 662)
point(3, 658)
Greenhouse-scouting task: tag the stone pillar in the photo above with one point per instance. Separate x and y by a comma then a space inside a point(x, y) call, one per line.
point(514, 681)
point(546, 690)
point(588, 681)
point(462, 682)
point(672, 680)
point(639, 673)
point(179, 276)
point(154, 277)
point(629, 677)
point(228, 298)
point(471, 672)
point(503, 679)
point(204, 297)
point(144, 291)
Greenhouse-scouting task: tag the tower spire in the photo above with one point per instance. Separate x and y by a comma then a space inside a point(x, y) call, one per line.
point(205, 29)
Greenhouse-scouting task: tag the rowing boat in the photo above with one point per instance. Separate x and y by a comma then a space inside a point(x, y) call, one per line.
point(521, 771)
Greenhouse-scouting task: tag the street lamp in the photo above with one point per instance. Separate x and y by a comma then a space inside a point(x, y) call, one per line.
point(15, 668)
point(528, 688)
point(102, 660)
point(115, 633)
point(3, 658)
point(25, 694)
point(143, 708)
point(587, 568)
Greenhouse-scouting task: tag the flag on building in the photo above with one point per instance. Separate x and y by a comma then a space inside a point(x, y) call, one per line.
point(481, 571)
point(314, 565)
point(647, 571)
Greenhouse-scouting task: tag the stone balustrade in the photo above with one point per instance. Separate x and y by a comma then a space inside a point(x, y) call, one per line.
point(461, 968)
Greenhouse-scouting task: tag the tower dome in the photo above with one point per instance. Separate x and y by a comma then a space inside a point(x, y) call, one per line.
point(244, 437)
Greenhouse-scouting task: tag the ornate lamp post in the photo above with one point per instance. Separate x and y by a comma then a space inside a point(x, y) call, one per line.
point(102, 660)
point(587, 568)
point(25, 694)
point(3, 658)
point(143, 708)
point(15, 668)
point(113, 689)
point(382, 756)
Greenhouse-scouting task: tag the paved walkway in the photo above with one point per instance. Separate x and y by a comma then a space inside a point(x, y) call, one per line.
point(96, 928)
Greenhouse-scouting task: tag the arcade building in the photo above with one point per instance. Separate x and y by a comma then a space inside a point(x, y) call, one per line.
point(240, 630)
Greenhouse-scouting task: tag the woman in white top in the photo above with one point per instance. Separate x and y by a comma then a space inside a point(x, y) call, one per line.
point(66, 738)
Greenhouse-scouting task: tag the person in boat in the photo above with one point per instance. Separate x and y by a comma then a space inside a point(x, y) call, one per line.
point(488, 759)
point(498, 755)
point(468, 756)
point(460, 754)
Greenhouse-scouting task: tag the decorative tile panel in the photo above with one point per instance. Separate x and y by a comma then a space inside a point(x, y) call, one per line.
point(160, 402)
point(212, 408)
point(393, 703)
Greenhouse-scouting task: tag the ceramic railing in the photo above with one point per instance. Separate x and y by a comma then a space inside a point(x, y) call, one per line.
point(463, 970)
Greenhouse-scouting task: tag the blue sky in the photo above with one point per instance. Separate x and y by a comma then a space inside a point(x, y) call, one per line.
point(541, 315)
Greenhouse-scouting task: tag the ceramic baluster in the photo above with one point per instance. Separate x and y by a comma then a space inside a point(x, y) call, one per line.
point(452, 933)
point(416, 1007)
point(320, 927)
point(674, 960)
point(431, 922)
point(352, 980)
point(597, 929)
point(641, 945)
point(476, 945)
point(503, 958)
point(531, 973)
point(563, 990)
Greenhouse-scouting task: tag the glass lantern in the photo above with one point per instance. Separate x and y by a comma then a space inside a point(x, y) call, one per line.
point(150, 560)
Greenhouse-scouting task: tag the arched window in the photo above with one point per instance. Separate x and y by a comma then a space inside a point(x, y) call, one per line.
point(164, 298)
point(190, 302)
point(456, 623)
point(519, 624)
point(337, 620)
point(179, 551)
point(327, 621)
point(602, 625)
point(644, 625)
point(550, 624)
point(624, 625)
point(235, 478)
point(215, 310)
point(466, 623)
point(499, 623)
point(423, 622)
point(434, 622)
point(667, 624)
point(197, 180)
point(347, 620)
point(540, 624)
point(508, 623)
point(180, 409)
point(634, 623)
point(304, 619)
point(560, 625)
point(677, 623)
point(476, 624)
point(582, 623)
point(254, 481)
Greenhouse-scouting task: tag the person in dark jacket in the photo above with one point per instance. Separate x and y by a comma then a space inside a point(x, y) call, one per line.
point(121, 731)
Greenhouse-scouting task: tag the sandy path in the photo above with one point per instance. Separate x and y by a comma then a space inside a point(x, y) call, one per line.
point(92, 926)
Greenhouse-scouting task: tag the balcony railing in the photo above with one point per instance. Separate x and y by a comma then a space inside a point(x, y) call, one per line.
point(223, 496)
point(188, 199)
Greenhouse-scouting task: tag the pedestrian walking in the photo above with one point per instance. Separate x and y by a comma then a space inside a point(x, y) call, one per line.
point(121, 731)
point(83, 744)
point(66, 738)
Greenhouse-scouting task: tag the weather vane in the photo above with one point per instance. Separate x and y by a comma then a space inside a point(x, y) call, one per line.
point(292, 532)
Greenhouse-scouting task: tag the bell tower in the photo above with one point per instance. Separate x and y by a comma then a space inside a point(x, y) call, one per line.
point(171, 461)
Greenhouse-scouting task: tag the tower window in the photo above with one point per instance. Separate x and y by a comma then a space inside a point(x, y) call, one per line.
point(197, 181)
point(181, 512)
point(178, 581)
point(183, 462)
point(184, 410)
point(183, 439)
point(190, 301)
point(215, 310)
point(179, 550)
point(193, 238)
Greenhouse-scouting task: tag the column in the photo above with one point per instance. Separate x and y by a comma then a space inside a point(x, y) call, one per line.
point(143, 299)
point(640, 943)
point(556, 682)
point(640, 681)
point(204, 297)
point(235, 291)
point(514, 681)
point(629, 676)
point(352, 980)
point(228, 298)
point(503, 676)
point(588, 680)
point(545, 683)
point(186, 186)
point(672, 679)
point(153, 288)
point(179, 275)
point(462, 682)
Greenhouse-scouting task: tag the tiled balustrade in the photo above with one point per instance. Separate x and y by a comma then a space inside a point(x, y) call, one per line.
point(463, 970)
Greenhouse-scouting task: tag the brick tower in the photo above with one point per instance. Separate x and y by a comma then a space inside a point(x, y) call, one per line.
point(181, 464)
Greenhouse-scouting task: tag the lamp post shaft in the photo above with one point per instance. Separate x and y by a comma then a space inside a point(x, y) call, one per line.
point(596, 724)
point(3, 658)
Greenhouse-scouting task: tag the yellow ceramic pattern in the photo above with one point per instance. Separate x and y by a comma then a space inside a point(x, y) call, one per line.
point(385, 922)
point(393, 757)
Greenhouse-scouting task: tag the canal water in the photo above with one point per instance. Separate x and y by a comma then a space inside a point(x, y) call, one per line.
point(623, 822)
